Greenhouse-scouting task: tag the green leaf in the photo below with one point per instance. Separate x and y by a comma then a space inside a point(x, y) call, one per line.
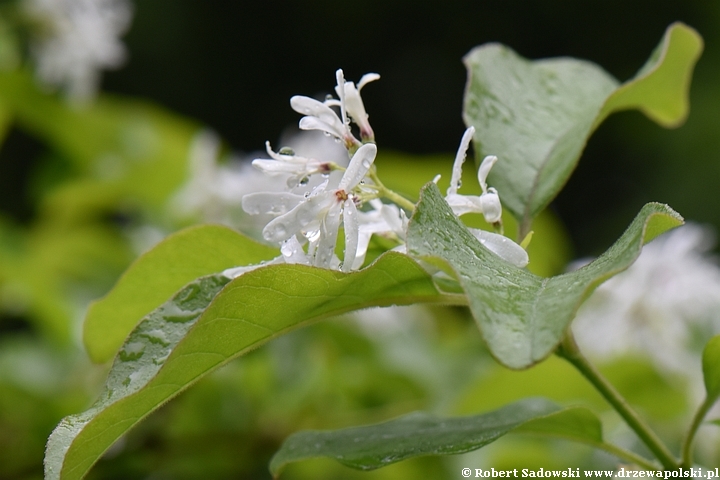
point(711, 369)
point(169, 350)
point(521, 316)
point(419, 433)
point(536, 116)
point(156, 275)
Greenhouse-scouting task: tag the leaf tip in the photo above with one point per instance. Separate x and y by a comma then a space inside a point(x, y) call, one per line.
point(661, 219)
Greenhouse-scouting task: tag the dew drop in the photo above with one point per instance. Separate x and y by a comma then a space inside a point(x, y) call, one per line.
point(157, 336)
point(287, 151)
point(304, 181)
point(160, 360)
point(179, 318)
point(366, 163)
point(132, 351)
point(278, 231)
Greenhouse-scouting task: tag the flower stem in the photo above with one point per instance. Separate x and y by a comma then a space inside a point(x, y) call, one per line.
point(697, 420)
point(570, 351)
point(389, 194)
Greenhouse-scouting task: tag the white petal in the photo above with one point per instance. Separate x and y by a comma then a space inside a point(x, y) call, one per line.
point(275, 167)
point(340, 89)
point(358, 167)
point(491, 207)
point(503, 247)
point(362, 248)
point(459, 160)
point(287, 225)
point(292, 252)
point(235, 272)
point(314, 108)
point(367, 78)
point(484, 170)
point(276, 203)
point(328, 237)
point(313, 123)
point(350, 222)
point(462, 204)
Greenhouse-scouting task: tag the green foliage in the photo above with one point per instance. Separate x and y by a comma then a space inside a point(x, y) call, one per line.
point(522, 316)
point(711, 369)
point(156, 275)
point(537, 115)
point(168, 351)
point(420, 433)
point(129, 145)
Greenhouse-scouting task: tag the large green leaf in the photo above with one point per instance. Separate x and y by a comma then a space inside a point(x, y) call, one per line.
point(169, 350)
point(156, 275)
point(419, 433)
point(711, 369)
point(521, 316)
point(536, 116)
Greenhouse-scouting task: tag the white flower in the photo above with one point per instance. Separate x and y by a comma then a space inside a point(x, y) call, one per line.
point(317, 216)
point(489, 202)
point(351, 102)
point(79, 38)
point(665, 306)
point(319, 115)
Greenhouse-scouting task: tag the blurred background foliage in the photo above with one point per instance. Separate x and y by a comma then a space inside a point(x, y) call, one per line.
point(85, 188)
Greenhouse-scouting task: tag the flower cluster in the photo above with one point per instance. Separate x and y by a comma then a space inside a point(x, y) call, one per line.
point(76, 39)
point(321, 196)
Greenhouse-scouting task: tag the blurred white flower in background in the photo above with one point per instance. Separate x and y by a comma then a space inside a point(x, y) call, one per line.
point(76, 39)
point(665, 306)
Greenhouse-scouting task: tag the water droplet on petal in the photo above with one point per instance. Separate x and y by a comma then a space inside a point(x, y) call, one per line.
point(287, 151)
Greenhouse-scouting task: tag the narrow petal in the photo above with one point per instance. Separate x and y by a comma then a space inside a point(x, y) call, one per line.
point(314, 108)
point(275, 167)
point(313, 123)
point(328, 237)
point(340, 89)
point(235, 272)
point(462, 204)
point(459, 160)
point(350, 222)
point(276, 203)
point(503, 247)
point(292, 252)
point(484, 170)
point(367, 78)
point(359, 165)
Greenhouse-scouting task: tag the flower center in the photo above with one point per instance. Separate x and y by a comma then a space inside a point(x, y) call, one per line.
point(341, 195)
